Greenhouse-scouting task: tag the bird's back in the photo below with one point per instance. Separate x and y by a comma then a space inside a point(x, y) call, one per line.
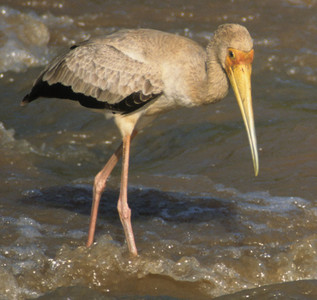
point(179, 61)
point(123, 71)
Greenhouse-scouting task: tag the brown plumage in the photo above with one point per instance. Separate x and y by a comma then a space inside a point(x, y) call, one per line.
point(137, 74)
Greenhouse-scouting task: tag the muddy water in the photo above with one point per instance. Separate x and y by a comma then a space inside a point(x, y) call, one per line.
point(204, 225)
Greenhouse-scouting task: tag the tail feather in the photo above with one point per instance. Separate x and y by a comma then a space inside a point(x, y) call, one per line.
point(34, 93)
point(27, 99)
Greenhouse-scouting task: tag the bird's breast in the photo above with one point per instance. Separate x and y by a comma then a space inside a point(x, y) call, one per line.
point(167, 102)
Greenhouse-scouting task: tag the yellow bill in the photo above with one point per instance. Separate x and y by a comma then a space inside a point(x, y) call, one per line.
point(238, 68)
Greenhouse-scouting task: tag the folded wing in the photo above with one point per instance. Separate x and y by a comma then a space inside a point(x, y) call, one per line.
point(99, 75)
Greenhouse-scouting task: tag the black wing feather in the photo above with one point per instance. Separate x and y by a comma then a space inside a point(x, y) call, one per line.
point(127, 105)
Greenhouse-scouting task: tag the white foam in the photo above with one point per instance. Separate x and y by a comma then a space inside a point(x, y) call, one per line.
point(264, 201)
point(24, 44)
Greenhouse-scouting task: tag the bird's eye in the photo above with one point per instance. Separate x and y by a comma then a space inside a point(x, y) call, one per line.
point(231, 54)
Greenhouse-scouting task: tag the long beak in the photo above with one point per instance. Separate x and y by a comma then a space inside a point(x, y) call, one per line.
point(240, 78)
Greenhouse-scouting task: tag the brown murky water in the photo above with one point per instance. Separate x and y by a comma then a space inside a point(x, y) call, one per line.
point(204, 225)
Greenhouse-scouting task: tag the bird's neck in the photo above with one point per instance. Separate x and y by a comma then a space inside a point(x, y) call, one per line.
point(217, 83)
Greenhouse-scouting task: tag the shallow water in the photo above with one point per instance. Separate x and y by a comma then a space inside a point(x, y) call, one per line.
point(205, 227)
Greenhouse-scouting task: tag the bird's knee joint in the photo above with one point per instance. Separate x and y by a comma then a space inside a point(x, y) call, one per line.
point(124, 212)
point(99, 184)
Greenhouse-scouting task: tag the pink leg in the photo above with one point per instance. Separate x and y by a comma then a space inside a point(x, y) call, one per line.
point(99, 186)
point(123, 207)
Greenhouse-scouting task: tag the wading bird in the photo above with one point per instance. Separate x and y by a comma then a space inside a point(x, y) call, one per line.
point(136, 74)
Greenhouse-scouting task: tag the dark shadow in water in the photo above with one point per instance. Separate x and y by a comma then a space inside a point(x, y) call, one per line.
point(80, 292)
point(301, 290)
point(145, 203)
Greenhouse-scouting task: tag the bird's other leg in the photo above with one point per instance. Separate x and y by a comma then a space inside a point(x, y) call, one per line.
point(123, 207)
point(99, 186)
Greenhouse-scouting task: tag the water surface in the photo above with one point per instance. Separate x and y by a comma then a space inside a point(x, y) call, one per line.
point(205, 227)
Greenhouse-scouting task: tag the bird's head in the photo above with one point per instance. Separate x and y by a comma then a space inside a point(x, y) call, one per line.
point(234, 51)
